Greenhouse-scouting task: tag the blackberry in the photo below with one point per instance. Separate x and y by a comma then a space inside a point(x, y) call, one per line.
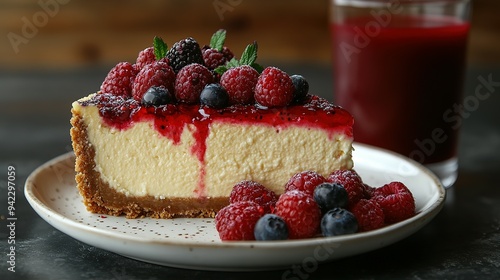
point(338, 221)
point(184, 52)
point(270, 227)
point(214, 95)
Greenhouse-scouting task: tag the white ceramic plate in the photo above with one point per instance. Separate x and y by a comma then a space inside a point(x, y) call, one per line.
point(194, 243)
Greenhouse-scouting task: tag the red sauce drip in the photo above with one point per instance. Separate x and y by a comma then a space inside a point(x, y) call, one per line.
point(170, 120)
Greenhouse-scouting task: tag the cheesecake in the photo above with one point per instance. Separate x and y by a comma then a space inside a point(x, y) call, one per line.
point(182, 160)
point(171, 134)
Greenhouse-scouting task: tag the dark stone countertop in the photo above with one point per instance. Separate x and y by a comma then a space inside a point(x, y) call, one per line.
point(462, 242)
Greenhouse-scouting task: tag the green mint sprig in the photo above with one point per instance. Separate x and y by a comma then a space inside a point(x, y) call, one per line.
point(248, 57)
point(218, 39)
point(160, 48)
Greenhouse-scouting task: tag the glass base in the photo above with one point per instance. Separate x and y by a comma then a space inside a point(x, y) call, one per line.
point(446, 171)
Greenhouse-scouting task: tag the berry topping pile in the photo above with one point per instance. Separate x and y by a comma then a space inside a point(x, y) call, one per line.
point(312, 206)
point(186, 70)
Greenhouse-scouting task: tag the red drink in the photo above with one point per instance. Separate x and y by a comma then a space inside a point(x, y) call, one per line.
point(400, 80)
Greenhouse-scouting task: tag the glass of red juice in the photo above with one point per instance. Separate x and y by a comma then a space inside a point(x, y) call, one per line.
point(399, 69)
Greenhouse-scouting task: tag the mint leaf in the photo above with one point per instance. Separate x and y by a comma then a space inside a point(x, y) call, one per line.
point(218, 39)
point(160, 48)
point(233, 63)
point(259, 68)
point(249, 54)
point(248, 57)
point(220, 69)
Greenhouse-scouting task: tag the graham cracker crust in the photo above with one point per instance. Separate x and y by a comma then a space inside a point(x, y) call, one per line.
point(100, 198)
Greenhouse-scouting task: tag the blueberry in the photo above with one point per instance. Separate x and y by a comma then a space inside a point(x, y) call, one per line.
point(330, 195)
point(270, 227)
point(156, 96)
point(214, 95)
point(338, 221)
point(301, 87)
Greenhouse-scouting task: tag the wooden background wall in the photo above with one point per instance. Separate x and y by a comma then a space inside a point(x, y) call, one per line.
point(73, 33)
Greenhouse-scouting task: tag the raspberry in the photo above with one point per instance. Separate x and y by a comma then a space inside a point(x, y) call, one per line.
point(255, 192)
point(158, 74)
point(368, 191)
point(305, 181)
point(184, 52)
point(396, 200)
point(300, 212)
point(369, 214)
point(352, 183)
point(145, 57)
point(213, 58)
point(239, 83)
point(190, 81)
point(119, 80)
point(237, 221)
point(274, 88)
point(228, 54)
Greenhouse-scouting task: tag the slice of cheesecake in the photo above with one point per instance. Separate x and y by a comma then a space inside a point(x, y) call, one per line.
point(180, 160)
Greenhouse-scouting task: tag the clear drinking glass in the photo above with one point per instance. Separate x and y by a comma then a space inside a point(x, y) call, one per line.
point(399, 69)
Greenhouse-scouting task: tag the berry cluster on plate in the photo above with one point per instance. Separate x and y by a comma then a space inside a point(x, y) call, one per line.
point(209, 75)
point(312, 205)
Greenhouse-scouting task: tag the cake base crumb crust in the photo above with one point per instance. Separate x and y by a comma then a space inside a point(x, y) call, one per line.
point(99, 197)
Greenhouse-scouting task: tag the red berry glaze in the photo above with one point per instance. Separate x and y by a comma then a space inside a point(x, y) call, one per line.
point(190, 81)
point(396, 200)
point(158, 74)
point(237, 221)
point(369, 214)
point(352, 183)
point(239, 83)
point(274, 88)
point(254, 192)
point(119, 80)
point(305, 181)
point(117, 110)
point(300, 212)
